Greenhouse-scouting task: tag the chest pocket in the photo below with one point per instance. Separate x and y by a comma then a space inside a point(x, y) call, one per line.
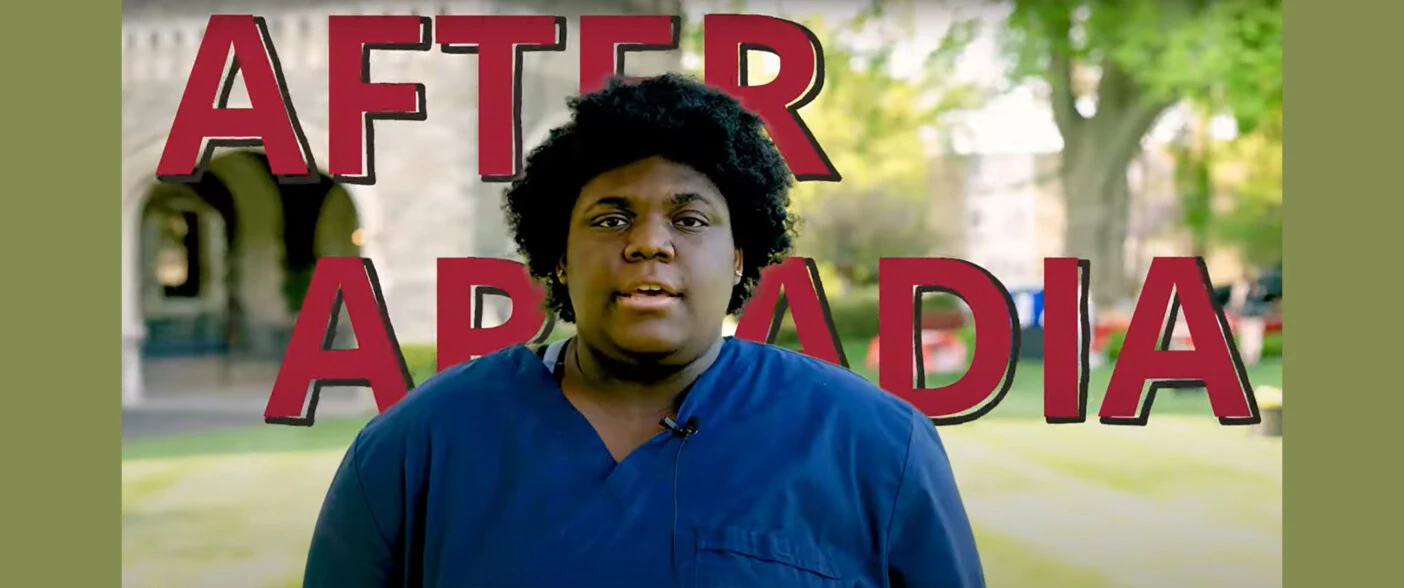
point(731, 557)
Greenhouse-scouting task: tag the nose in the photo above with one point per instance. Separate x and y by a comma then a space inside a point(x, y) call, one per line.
point(650, 238)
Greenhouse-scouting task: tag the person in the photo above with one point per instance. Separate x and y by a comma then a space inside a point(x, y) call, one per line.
point(647, 449)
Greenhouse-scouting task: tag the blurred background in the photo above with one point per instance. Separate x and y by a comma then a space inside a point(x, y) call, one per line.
point(998, 132)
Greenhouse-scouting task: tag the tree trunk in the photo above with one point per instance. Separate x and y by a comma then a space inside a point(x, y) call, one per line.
point(1097, 153)
point(1097, 149)
point(1096, 200)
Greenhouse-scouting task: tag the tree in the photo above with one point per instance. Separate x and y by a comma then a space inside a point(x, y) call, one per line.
point(853, 229)
point(1193, 153)
point(1251, 170)
point(1145, 57)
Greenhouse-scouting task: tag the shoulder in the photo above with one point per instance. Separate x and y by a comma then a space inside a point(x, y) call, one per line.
point(446, 399)
point(832, 394)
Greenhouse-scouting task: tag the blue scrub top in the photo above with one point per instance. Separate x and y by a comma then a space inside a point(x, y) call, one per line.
point(800, 473)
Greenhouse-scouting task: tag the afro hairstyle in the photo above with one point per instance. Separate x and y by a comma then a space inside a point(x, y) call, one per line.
point(671, 116)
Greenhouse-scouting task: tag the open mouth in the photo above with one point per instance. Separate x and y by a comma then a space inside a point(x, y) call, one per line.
point(647, 296)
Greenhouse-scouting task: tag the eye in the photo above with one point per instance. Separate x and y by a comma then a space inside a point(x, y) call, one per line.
point(610, 222)
point(692, 222)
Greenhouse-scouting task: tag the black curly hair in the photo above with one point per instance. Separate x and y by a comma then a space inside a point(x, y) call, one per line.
point(671, 116)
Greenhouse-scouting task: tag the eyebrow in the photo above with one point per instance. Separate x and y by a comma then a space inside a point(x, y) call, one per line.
point(613, 201)
point(683, 198)
point(674, 201)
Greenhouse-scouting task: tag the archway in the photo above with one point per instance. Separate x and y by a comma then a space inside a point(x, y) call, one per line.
point(319, 220)
point(224, 265)
point(186, 233)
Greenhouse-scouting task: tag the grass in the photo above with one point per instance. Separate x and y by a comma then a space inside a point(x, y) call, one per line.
point(1183, 501)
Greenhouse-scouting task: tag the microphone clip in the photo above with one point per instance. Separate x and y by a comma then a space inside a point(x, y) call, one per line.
point(682, 432)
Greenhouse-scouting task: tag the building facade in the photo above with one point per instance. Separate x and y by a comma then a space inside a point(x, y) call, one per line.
point(211, 271)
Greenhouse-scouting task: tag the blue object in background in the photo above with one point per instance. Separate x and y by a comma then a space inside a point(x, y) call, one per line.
point(1038, 308)
point(1029, 305)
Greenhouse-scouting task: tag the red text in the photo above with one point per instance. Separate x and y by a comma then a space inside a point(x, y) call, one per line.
point(204, 121)
point(1175, 286)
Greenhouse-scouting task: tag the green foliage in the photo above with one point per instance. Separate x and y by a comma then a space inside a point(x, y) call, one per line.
point(1193, 181)
point(870, 121)
point(1227, 53)
point(1254, 221)
point(1272, 345)
point(421, 361)
point(1114, 343)
point(852, 230)
point(1241, 66)
point(1144, 57)
point(1247, 173)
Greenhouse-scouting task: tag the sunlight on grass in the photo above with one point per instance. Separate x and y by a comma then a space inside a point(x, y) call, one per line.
point(1183, 501)
point(1047, 502)
point(205, 521)
point(1013, 563)
point(1145, 502)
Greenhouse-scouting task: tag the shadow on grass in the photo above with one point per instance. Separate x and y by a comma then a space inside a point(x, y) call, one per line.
point(1024, 401)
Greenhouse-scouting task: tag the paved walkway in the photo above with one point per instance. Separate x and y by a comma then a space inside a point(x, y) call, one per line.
point(144, 424)
point(204, 394)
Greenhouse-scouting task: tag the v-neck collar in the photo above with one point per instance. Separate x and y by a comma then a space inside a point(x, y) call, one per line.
point(558, 413)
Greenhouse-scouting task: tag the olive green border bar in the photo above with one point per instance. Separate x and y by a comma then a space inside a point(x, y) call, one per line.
point(61, 437)
point(1343, 172)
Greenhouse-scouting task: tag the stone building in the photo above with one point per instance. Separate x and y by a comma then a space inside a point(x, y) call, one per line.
point(211, 272)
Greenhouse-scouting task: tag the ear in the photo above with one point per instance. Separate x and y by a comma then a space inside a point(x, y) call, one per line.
point(561, 270)
point(739, 265)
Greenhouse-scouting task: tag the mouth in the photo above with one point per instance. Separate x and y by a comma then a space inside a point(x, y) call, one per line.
point(647, 296)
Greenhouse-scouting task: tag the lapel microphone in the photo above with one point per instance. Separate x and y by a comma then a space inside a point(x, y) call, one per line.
point(682, 432)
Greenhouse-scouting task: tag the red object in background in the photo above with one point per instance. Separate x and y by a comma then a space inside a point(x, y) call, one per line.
point(941, 352)
point(1104, 331)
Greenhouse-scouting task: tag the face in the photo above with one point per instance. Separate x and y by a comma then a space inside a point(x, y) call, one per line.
point(650, 261)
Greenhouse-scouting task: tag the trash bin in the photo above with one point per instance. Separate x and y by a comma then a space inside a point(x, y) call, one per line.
point(1270, 408)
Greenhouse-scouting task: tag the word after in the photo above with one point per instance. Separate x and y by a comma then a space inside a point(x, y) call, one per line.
point(203, 120)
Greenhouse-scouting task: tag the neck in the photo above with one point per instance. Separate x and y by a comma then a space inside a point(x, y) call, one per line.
point(648, 384)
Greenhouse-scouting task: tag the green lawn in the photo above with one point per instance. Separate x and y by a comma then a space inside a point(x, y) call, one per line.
point(1183, 500)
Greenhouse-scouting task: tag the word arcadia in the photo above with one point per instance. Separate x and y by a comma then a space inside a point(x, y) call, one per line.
point(1174, 286)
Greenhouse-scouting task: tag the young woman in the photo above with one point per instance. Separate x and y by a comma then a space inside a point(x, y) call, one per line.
point(647, 450)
